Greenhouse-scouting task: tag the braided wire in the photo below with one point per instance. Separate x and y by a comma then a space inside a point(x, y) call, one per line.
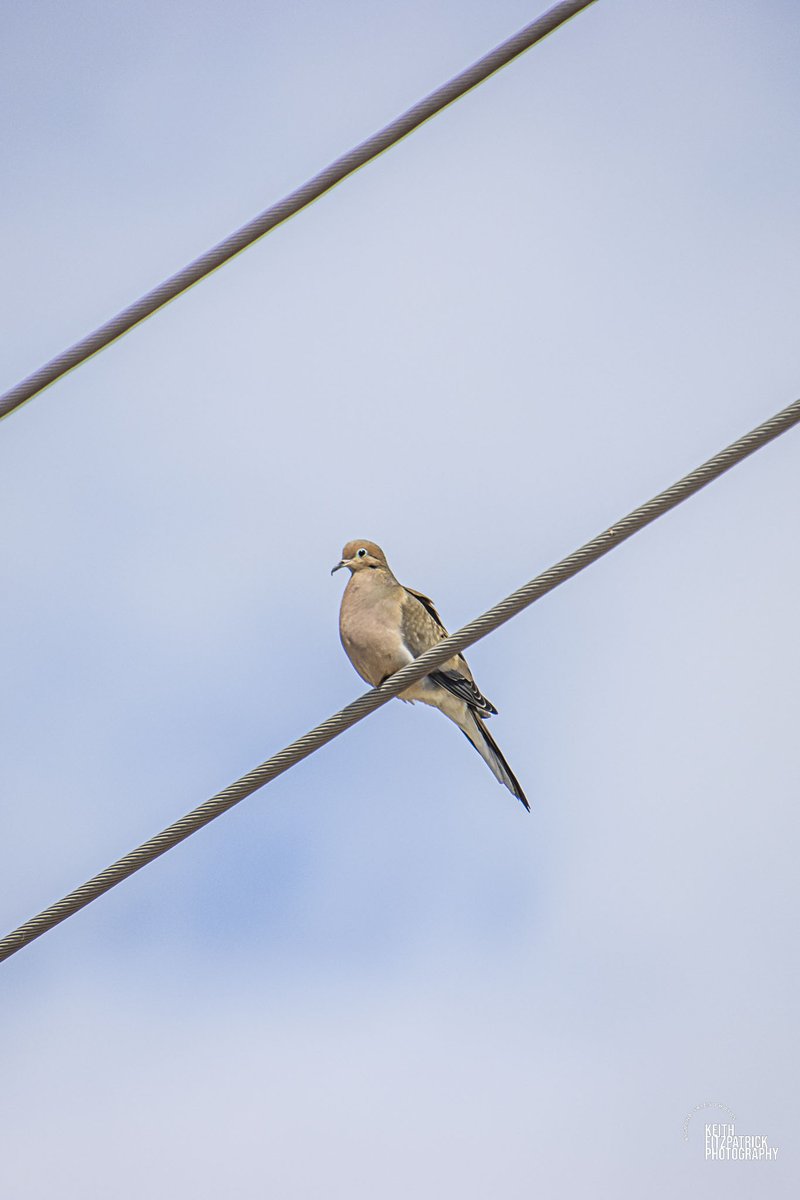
point(291, 204)
point(429, 661)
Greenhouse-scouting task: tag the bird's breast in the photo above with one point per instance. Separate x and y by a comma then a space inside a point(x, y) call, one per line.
point(369, 627)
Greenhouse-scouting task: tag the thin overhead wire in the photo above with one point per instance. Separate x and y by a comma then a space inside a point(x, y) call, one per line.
point(360, 708)
point(290, 205)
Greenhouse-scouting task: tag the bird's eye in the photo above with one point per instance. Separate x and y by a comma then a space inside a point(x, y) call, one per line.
point(361, 553)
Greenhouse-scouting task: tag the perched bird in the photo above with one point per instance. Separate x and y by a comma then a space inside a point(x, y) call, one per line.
point(384, 626)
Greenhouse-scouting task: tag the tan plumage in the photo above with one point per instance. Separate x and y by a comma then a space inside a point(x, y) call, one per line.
point(384, 625)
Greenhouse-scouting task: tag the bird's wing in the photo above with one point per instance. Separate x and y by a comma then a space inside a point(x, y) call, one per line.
point(422, 628)
point(430, 608)
point(420, 625)
point(466, 690)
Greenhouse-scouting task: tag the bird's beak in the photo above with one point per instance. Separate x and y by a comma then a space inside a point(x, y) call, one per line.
point(338, 566)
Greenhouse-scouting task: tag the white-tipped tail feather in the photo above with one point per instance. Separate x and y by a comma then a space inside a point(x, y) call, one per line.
point(475, 730)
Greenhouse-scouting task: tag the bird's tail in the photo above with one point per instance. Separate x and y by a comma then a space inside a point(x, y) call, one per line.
point(475, 730)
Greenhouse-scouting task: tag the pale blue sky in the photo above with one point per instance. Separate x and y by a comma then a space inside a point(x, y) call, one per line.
point(380, 976)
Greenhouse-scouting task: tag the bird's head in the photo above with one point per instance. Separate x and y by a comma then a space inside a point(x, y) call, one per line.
point(361, 555)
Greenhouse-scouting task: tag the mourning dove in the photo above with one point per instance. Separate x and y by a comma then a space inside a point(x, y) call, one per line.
point(384, 626)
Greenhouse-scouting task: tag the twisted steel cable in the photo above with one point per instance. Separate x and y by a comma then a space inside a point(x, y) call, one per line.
point(467, 79)
point(360, 708)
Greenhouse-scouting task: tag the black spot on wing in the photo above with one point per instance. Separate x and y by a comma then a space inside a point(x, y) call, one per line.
point(465, 690)
point(429, 607)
